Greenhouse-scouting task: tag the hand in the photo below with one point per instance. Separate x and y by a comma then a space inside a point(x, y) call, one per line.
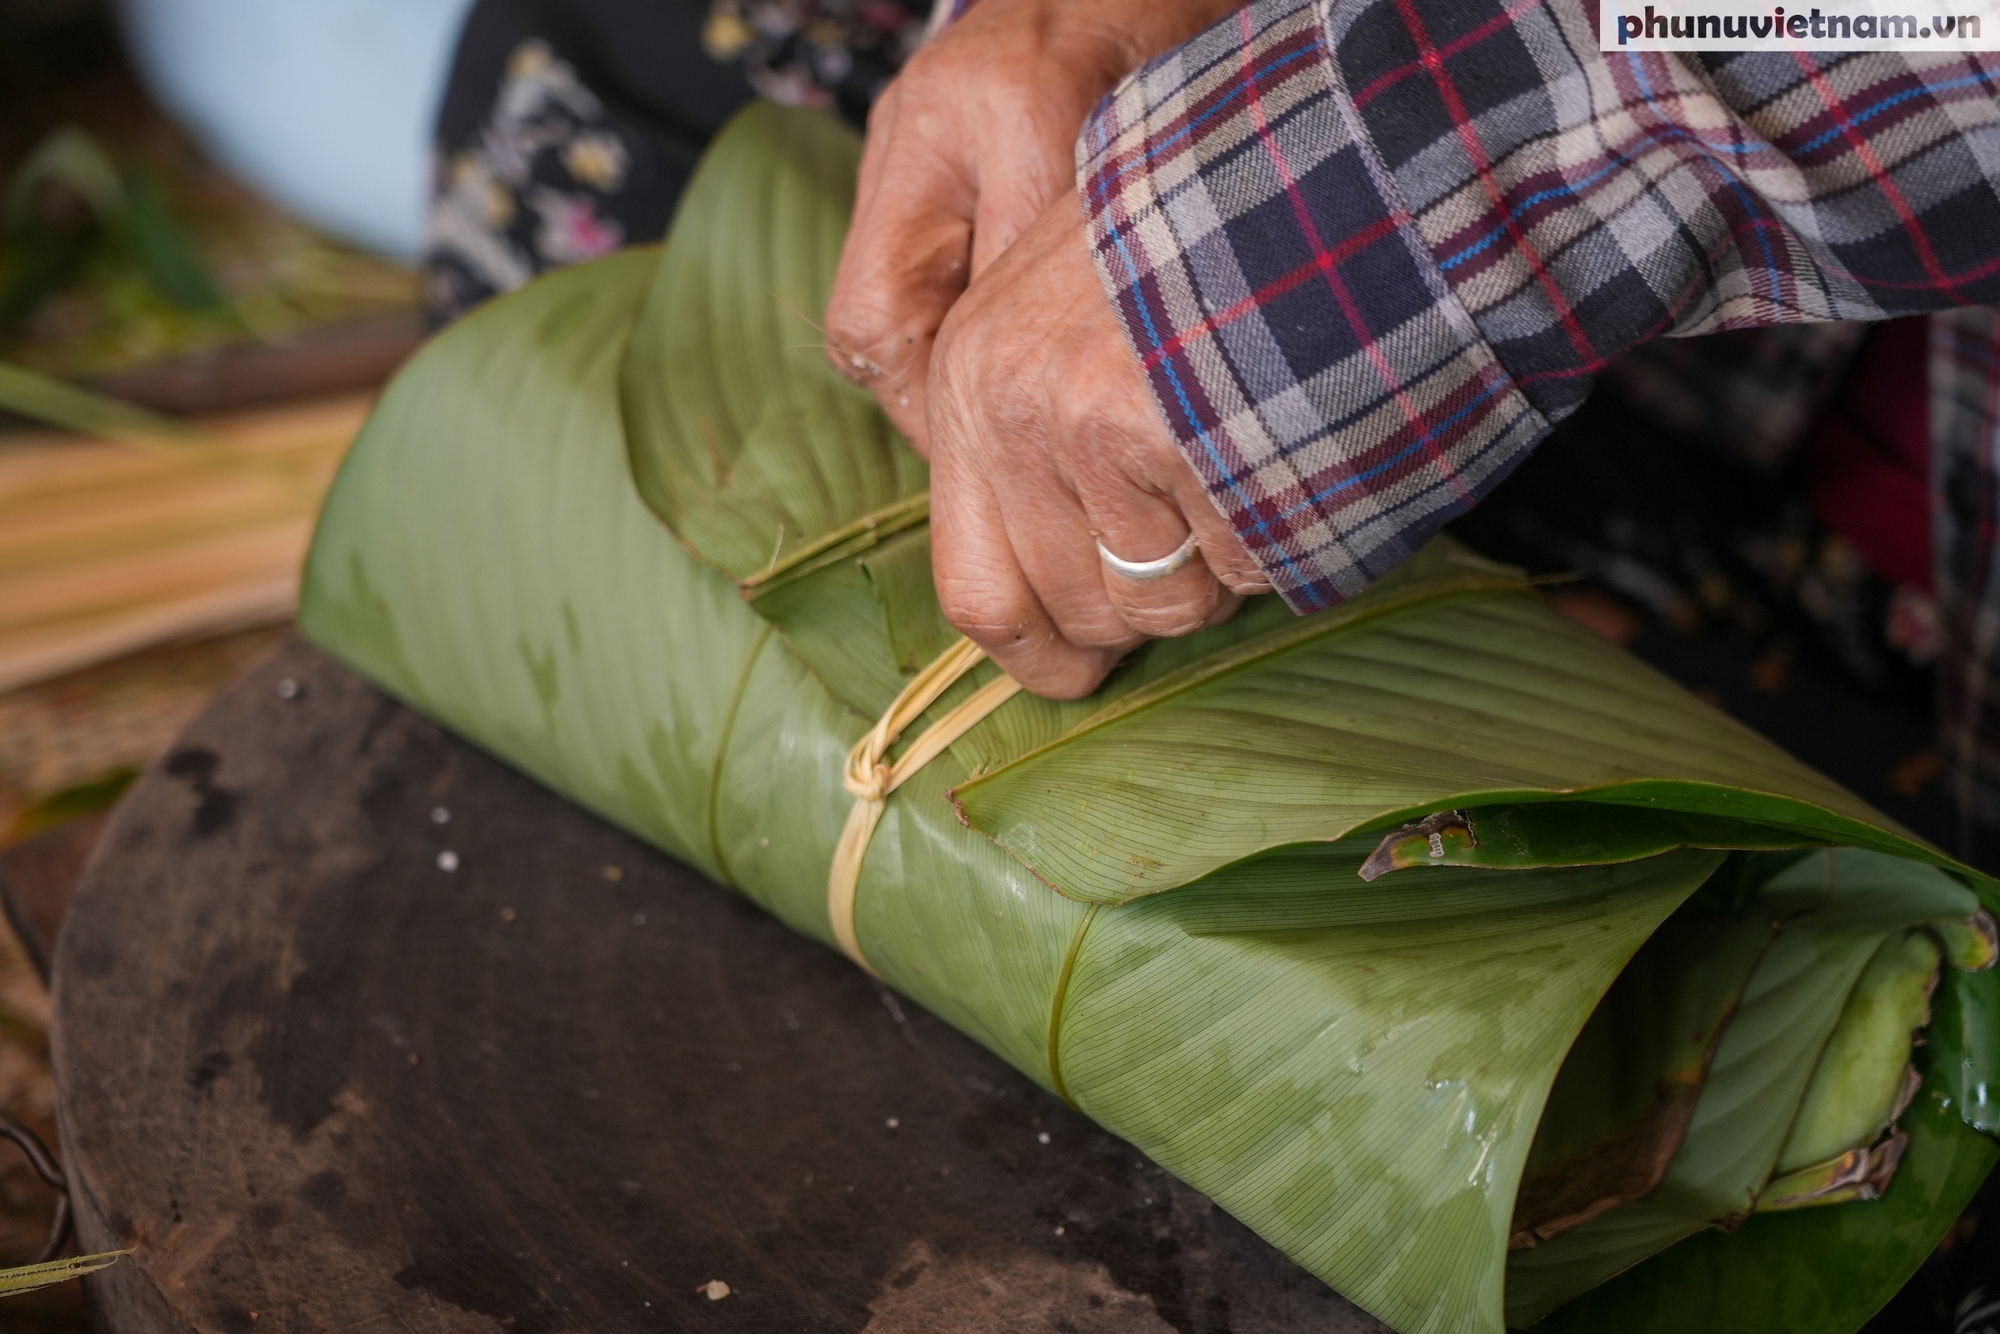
point(965, 149)
point(1045, 440)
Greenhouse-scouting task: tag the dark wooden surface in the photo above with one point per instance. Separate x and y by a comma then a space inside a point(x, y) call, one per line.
point(321, 1083)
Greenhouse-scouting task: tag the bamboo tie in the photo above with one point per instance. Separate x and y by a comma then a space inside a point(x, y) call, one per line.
point(871, 777)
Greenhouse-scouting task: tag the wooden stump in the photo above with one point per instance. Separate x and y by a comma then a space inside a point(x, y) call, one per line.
point(358, 1029)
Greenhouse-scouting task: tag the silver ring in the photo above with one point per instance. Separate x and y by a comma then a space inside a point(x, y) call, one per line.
point(1144, 570)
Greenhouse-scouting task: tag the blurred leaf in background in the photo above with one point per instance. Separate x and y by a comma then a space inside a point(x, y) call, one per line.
point(69, 206)
point(120, 246)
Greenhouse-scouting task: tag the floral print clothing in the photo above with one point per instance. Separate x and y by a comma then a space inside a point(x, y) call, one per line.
point(825, 53)
point(543, 185)
point(552, 150)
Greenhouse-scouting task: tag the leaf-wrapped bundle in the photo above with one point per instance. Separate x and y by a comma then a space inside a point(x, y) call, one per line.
point(1321, 913)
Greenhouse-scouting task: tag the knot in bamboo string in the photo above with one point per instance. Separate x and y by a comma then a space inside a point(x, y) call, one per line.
point(871, 777)
point(868, 775)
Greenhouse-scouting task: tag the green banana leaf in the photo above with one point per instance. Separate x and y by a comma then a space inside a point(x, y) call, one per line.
point(1751, 1104)
point(1313, 911)
point(48, 1273)
point(44, 398)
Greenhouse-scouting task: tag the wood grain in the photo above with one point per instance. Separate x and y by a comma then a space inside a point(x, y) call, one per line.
point(108, 548)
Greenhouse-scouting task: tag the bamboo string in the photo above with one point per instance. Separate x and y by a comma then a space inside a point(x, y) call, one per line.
point(106, 549)
point(871, 777)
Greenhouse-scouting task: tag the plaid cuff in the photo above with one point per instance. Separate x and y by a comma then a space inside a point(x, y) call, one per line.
point(1965, 489)
point(1305, 350)
point(1368, 252)
point(1581, 203)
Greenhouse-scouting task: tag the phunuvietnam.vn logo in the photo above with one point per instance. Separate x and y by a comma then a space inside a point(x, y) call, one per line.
point(1737, 25)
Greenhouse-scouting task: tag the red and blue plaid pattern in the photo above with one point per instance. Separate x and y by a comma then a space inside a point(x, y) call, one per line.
point(1965, 500)
point(1369, 252)
point(1308, 353)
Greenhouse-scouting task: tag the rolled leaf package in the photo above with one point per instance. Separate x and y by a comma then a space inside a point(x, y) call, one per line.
point(1491, 976)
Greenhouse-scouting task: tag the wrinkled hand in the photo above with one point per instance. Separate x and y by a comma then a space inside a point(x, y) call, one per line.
point(965, 149)
point(1044, 440)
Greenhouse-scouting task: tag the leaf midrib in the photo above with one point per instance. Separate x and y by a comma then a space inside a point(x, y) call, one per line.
point(849, 539)
point(1241, 657)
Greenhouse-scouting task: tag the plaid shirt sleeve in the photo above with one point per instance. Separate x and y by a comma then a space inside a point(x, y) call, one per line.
point(1369, 251)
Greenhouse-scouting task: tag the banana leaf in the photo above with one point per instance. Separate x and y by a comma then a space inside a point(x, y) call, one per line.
point(48, 1273)
point(1321, 913)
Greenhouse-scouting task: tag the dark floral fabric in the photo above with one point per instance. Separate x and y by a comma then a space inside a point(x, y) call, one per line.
point(557, 144)
point(543, 185)
point(824, 53)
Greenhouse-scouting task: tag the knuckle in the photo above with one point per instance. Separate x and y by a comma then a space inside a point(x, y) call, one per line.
point(1107, 630)
point(1168, 623)
point(1176, 614)
point(1056, 670)
point(1069, 681)
point(861, 341)
point(1246, 583)
point(855, 321)
point(987, 380)
point(1108, 451)
point(1086, 617)
point(982, 612)
point(1089, 420)
point(1013, 403)
point(1233, 566)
